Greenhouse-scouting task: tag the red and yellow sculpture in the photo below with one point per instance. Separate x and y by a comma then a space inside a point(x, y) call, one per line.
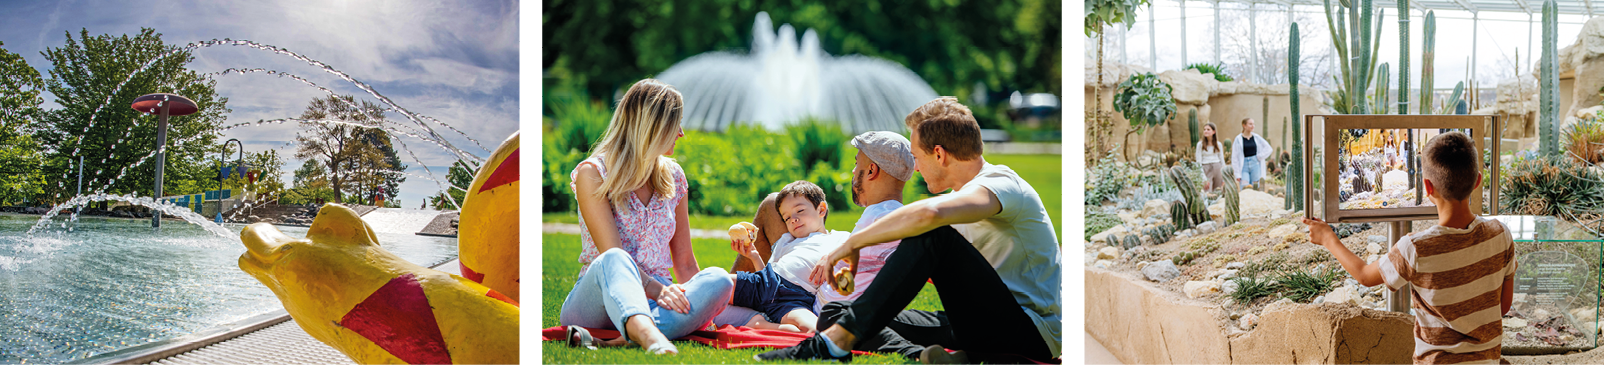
point(345, 290)
point(487, 230)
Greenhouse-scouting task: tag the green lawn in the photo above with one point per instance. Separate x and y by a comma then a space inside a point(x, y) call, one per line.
point(559, 269)
point(1043, 172)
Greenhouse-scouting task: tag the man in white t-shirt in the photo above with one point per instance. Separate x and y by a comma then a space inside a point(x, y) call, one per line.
point(988, 247)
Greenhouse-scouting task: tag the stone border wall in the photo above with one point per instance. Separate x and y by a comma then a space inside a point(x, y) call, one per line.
point(1141, 323)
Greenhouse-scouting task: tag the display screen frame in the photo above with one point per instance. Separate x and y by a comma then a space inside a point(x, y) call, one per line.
point(1481, 127)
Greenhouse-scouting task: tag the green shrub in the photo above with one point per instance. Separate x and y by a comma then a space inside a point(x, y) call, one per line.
point(575, 124)
point(1551, 185)
point(1210, 68)
point(1099, 222)
point(818, 141)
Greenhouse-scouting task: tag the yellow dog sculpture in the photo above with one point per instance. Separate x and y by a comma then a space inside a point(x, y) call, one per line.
point(346, 291)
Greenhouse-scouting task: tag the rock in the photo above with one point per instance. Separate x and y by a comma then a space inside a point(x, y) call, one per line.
point(1342, 294)
point(1161, 271)
point(1141, 265)
point(1248, 321)
point(1228, 287)
point(1199, 289)
point(1515, 323)
point(1091, 257)
point(1132, 219)
point(1189, 86)
point(1541, 314)
point(1283, 230)
point(1234, 316)
point(1236, 265)
point(1104, 264)
point(1373, 248)
point(1319, 299)
point(1155, 207)
point(1226, 274)
point(1207, 227)
point(1103, 236)
point(1108, 253)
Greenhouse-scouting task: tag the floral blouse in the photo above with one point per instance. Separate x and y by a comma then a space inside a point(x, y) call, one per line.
point(644, 229)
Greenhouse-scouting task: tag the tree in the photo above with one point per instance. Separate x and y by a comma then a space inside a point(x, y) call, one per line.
point(343, 149)
point(310, 184)
point(377, 169)
point(20, 157)
point(116, 139)
point(460, 175)
point(268, 182)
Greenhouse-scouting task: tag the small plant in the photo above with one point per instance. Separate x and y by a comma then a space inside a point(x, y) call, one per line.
point(1551, 185)
point(1145, 101)
point(1271, 263)
point(1251, 287)
point(1302, 286)
point(1195, 250)
point(1107, 178)
point(1210, 68)
point(1099, 222)
point(1584, 141)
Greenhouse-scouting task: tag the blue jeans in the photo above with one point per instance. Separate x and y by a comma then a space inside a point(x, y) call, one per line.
point(611, 291)
point(1252, 170)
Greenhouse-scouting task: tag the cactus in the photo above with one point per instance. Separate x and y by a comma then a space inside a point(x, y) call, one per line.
point(1233, 198)
point(1451, 105)
point(1191, 125)
point(1179, 215)
point(1294, 176)
point(1548, 103)
point(1403, 57)
point(1354, 34)
point(1131, 240)
point(1427, 55)
point(1360, 184)
point(1382, 106)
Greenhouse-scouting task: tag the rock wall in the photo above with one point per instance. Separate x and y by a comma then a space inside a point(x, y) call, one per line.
point(1224, 103)
point(1143, 324)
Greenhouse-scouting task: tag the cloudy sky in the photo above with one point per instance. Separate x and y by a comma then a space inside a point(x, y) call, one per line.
point(457, 63)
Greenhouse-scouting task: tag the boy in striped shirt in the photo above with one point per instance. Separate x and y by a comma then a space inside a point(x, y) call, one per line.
point(1463, 269)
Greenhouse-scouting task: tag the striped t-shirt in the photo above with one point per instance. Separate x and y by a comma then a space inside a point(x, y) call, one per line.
point(1458, 275)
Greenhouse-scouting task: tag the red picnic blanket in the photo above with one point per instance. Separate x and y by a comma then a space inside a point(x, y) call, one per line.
point(726, 337)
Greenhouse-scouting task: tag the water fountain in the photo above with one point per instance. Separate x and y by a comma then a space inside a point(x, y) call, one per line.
point(780, 82)
point(129, 284)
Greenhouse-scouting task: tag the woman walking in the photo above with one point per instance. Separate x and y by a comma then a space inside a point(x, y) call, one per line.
point(1249, 151)
point(1212, 157)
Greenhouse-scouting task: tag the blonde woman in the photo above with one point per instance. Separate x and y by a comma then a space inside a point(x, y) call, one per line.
point(1212, 157)
point(632, 205)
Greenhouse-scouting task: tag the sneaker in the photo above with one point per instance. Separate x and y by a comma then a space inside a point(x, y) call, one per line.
point(935, 354)
point(813, 348)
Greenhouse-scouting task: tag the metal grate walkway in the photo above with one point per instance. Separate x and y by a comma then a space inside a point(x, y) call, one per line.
point(283, 343)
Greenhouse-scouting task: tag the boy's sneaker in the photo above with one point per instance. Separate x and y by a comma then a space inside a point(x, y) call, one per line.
point(813, 348)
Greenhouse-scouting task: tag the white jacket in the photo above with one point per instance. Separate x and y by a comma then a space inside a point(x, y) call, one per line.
point(1262, 154)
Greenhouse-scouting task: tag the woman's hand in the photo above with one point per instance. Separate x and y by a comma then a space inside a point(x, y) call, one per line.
point(826, 266)
point(673, 297)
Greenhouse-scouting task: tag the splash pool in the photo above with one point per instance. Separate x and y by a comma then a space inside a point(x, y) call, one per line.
point(109, 284)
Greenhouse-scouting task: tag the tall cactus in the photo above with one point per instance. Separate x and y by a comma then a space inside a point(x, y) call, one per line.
point(1233, 198)
point(1451, 105)
point(1294, 176)
point(1427, 61)
point(1548, 99)
point(1385, 78)
point(1178, 215)
point(1191, 125)
point(1403, 57)
point(1354, 34)
point(1193, 209)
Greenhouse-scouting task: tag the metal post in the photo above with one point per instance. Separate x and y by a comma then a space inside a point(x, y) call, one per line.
point(1253, 43)
point(80, 180)
point(1152, 39)
point(1183, 33)
point(1398, 301)
point(1475, 32)
point(161, 161)
point(1217, 33)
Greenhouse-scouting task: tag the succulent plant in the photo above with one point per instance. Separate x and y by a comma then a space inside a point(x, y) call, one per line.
point(1233, 199)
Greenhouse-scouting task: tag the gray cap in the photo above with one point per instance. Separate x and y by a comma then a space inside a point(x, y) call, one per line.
point(891, 151)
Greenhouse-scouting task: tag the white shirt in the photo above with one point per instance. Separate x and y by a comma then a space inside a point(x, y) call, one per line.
point(1204, 157)
point(1022, 246)
point(1262, 154)
point(870, 259)
point(793, 259)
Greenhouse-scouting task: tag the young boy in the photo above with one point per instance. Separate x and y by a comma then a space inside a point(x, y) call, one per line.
point(780, 289)
point(1462, 269)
